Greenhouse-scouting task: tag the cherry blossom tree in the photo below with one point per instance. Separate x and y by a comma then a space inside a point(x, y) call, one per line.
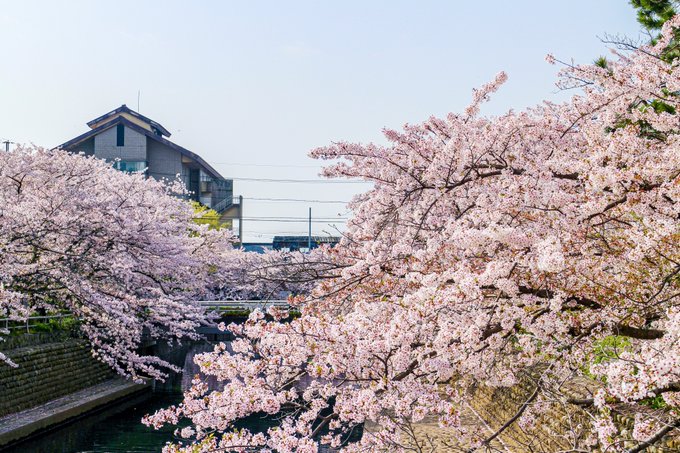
point(538, 247)
point(116, 250)
point(274, 274)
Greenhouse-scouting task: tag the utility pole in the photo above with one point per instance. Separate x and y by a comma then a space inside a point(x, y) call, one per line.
point(7, 143)
point(240, 219)
point(309, 235)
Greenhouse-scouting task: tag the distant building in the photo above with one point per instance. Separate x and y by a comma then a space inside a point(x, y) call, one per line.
point(135, 143)
point(301, 243)
point(257, 247)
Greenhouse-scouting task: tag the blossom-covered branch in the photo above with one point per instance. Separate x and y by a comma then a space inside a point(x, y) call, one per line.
point(539, 246)
point(116, 250)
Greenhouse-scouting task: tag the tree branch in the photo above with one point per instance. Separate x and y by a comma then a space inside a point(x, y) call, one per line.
point(656, 437)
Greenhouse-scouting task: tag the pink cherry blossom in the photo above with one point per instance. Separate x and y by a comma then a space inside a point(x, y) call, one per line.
point(538, 247)
point(118, 251)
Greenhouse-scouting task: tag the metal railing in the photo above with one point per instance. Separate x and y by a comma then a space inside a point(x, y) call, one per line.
point(244, 305)
point(218, 305)
point(222, 206)
point(31, 321)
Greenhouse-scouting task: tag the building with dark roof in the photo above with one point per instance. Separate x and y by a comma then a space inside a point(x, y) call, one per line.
point(257, 247)
point(134, 142)
point(302, 243)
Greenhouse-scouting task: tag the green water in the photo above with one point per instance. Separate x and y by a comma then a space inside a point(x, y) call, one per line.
point(117, 429)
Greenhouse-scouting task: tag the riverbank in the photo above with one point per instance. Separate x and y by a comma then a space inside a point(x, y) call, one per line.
point(98, 416)
point(47, 371)
point(21, 425)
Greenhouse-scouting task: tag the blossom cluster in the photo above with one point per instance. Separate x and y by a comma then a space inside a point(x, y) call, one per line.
point(490, 251)
point(120, 252)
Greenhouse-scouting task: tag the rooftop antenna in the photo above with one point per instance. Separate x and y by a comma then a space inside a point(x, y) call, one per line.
point(139, 92)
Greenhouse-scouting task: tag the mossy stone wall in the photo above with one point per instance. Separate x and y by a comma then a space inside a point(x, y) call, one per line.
point(554, 430)
point(47, 371)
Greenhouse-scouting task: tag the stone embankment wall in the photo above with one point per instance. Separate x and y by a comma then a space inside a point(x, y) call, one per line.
point(557, 429)
point(47, 371)
point(553, 430)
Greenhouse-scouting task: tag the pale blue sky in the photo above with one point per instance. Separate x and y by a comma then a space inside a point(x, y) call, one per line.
point(264, 82)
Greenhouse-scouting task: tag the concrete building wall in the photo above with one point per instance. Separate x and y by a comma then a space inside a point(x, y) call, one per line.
point(134, 148)
point(222, 190)
point(86, 147)
point(162, 161)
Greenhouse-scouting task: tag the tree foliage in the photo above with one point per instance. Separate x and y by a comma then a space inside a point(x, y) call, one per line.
point(203, 215)
point(652, 15)
point(538, 247)
point(117, 250)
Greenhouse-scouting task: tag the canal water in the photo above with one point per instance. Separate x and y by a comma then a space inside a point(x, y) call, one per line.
point(118, 428)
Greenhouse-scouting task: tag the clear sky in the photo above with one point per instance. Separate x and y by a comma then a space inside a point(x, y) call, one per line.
point(252, 86)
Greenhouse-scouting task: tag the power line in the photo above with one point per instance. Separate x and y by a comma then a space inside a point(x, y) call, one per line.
point(284, 219)
point(277, 233)
point(280, 233)
point(233, 164)
point(294, 218)
point(297, 200)
point(304, 181)
point(289, 220)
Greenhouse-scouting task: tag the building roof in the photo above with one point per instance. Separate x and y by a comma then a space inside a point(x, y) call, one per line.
point(142, 130)
point(302, 240)
point(256, 247)
point(124, 110)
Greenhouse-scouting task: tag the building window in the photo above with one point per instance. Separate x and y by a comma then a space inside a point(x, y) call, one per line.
point(120, 135)
point(130, 166)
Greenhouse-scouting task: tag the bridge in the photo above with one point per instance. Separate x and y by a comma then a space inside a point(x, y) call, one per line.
point(235, 307)
point(243, 305)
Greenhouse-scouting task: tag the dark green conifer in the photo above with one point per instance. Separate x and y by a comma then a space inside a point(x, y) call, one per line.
point(652, 14)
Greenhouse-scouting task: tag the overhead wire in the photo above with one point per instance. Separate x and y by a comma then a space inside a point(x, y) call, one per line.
point(324, 220)
point(298, 181)
point(234, 164)
point(271, 235)
point(246, 219)
point(294, 218)
point(295, 200)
